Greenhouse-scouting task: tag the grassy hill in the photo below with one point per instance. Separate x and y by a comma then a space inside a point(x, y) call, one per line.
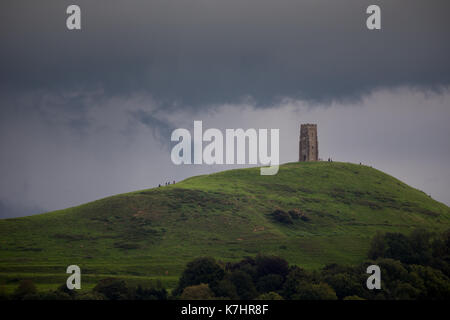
point(151, 234)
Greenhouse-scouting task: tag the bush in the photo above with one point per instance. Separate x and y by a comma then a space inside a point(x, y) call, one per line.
point(247, 265)
point(25, 290)
point(197, 292)
point(305, 217)
point(63, 289)
point(201, 270)
point(298, 214)
point(113, 289)
point(405, 291)
point(282, 216)
point(150, 293)
point(295, 214)
point(270, 282)
point(270, 296)
point(416, 248)
point(344, 284)
point(294, 279)
point(437, 285)
point(312, 291)
point(245, 288)
point(271, 265)
point(225, 289)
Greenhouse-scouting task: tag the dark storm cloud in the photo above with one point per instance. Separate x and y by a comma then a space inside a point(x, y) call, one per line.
point(198, 52)
point(161, 130)
point(87, 114)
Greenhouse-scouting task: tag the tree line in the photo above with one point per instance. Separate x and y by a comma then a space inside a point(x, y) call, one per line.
point(414, 266)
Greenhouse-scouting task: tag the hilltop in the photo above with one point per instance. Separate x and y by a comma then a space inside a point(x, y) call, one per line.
point(152, 234)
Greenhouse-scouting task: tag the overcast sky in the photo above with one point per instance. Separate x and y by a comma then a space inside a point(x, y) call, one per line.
point(86, 114)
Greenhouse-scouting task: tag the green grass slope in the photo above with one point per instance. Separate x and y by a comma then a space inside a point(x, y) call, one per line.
point(152, 234)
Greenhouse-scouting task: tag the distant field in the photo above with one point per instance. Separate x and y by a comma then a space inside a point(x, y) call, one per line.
point(151, 234)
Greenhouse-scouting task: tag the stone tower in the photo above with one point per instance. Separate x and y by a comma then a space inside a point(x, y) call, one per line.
point(309, 146)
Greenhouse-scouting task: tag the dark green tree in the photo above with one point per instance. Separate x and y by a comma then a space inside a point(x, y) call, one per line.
point(245, 288)
point(113, 289)
point(201, 270)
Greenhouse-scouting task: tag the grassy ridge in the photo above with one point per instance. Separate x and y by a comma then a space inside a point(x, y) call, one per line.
point(151, 234)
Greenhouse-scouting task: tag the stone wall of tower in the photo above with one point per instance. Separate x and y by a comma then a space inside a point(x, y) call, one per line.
point(309, 145)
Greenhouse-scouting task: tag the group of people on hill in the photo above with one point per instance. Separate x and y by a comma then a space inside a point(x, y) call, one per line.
point(331, 160)
point(167, 183)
